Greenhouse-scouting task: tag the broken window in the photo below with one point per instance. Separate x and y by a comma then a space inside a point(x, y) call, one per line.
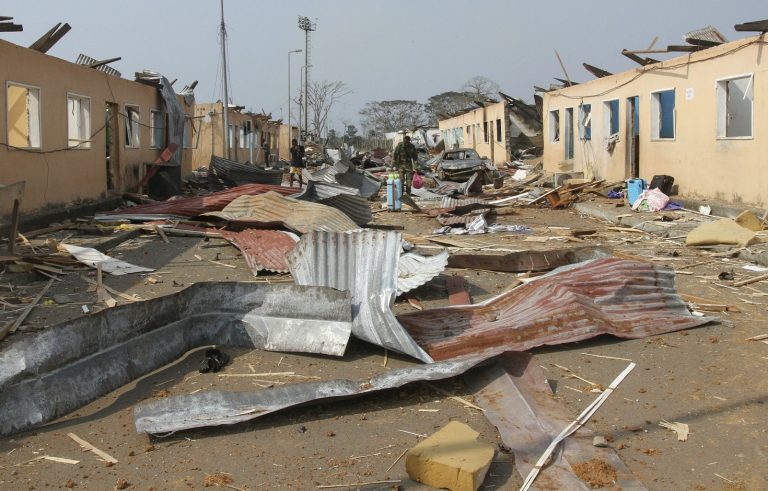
point(498, 130)
point(191, 136)
point(734, 107)
point(78, 121)
point(157, 129)
point(485, 131)
point(23, 115)
point(554, 126)
point(132, 129)
point(611, 112)
point(585, 122)
point(231, 136)
point(663, 114)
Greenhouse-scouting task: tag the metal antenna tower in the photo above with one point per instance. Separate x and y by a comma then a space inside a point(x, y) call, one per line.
point(307, 26)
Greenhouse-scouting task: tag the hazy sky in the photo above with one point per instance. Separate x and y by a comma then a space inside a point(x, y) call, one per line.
point(383, 50)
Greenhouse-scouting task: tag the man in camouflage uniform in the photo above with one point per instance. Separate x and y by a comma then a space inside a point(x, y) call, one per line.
point(404, 159)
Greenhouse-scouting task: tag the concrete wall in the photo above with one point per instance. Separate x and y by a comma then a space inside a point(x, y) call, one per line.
point(704, 164)
point(56, 175)
point(243, 148)
point(287, 133)
point(473, 125)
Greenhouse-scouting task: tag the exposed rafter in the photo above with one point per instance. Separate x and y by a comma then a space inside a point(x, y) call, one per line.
point(755, 26)
point(50, 38)
point(597, 72)
point(7, 26)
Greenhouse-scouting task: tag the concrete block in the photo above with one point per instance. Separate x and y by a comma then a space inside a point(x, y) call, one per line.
point(452, 458)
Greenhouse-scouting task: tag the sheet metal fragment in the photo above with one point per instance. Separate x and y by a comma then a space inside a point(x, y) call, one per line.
point(365, 263)
point(522, 261)
point(263, 249)
point(517, 400)
point(414, 270)
point(628, 299)
point(53, 372)
point(225, 408)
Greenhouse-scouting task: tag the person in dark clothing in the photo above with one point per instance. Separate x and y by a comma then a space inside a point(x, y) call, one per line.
point(404, 158)
point(297, 162)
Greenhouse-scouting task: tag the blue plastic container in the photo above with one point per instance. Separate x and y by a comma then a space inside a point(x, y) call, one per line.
point(394, 192)
point(634, 188)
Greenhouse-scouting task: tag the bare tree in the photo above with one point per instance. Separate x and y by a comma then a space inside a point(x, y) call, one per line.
point(385, 116)
point(321, 98)
point(481, 87)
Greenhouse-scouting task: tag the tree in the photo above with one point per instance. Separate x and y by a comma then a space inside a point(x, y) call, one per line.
point(351, 131)
point(321, 98)
point(482, 88)
point(387, 116)
point(448, 104)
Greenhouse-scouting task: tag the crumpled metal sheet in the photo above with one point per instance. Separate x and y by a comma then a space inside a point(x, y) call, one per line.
point(343, 172)
point(450, 202)
point(262, 249)
point(48, 374)
point(365, 263)
point(517, 400)
point(345, 199)
point(230, 173)
point(191, 207)
point(522, 261)
point(213, 408)
point(271, 209)
point(628, 299)
point(451, 219)
point(425, 194)
point(414, 270)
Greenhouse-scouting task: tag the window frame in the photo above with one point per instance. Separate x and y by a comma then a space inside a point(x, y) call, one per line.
point(128, 121)
point(720, 120)
point(656, 115)
point(498, 130)
point(152, 128)
point(554, 136)
point(585, 129)
point(608, 117)
point(83, 144)
point(8, 83)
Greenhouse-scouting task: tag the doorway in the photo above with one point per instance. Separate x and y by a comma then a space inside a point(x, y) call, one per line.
point(112, 146)
point(632, 168)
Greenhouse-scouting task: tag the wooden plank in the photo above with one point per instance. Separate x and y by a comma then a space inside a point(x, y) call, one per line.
point(102, 454)
point(754, 279)
point(13, 326)
point(755, 26)
point(597, 72)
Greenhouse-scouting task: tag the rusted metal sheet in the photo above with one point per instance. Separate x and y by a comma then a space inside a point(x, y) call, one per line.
point(212, 408)
point(520, 262)
point(263, 249)
point(192, 207)
point(449, 202)
point(457, 291)
point(517, 400)
point(271, 209)
point(451, 219)
point(365, 263)
point(628, 299)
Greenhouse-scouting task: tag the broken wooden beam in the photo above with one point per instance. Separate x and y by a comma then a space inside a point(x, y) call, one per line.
point(50, 38)
point(638, 59)
point(99, 63)
point(684, 48)
point(597, 72)
point(13, 326)
point(754, 26)
point(9, 26)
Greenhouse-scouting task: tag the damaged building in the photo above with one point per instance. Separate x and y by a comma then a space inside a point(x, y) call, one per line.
point(697, 117)
point(77, 132)
point(496, 130)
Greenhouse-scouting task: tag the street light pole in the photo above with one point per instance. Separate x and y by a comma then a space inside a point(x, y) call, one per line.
point(290, 123)
point(307, 26)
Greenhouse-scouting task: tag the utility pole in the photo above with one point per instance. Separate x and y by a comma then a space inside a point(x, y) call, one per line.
point(225, 105)
point(307, 26)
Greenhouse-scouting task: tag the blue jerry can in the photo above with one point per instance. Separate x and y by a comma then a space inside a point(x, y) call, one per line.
point(634, 188)
point(394, 192)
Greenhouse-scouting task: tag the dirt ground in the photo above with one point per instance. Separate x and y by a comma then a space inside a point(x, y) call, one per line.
point(708, 378)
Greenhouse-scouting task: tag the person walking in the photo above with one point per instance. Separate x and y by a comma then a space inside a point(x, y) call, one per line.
point(404, 159)
point(297, 162)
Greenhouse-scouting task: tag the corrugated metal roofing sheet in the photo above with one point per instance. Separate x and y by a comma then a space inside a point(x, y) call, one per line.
point(449, 202)
point(517, 400)
point(215, 407)
point(628, 299)
point(364, 262)
point(344, 173)
point(231, 173)
point(272, 209)
point(450, 219)
point(194, 206)
point(343, 198)
point(709, 33)
point(414, 270)
point(263, 249)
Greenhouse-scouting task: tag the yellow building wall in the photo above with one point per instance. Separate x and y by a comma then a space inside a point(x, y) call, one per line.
point(475, 138)
point(703, 164)
point(55, 175)
point(210, 116)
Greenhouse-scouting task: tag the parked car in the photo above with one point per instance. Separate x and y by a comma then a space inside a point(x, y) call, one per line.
point(459, 164)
